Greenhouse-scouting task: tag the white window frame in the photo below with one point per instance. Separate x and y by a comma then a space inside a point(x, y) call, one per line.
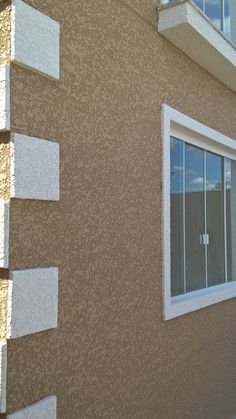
point(176, 124)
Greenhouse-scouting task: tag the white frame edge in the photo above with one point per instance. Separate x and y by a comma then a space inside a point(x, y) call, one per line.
point(177, 124)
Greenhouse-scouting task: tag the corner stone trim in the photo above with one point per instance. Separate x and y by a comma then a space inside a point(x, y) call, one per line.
point(4, 234)
point(4, 97)
point(44, 409)
point(3, 376)
point(34, 168)
point(32, 301)
point(35, 40)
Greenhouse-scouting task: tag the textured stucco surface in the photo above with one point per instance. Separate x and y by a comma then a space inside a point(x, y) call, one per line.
point(3, 302)
point(112, 355)
point(5, 31)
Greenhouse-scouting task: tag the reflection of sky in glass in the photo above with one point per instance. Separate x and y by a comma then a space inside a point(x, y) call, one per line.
point(214, 172)
point(194, 169)
point(194, 172)
point(213, 11)
point(176, 165)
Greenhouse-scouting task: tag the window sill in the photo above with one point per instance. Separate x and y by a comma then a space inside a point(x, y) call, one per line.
point(184, 25)
point(196, 300)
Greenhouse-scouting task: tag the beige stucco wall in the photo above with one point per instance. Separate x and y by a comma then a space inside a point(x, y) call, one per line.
point(112, 355)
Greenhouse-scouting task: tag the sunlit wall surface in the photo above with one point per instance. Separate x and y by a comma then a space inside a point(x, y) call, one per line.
point(221, 12)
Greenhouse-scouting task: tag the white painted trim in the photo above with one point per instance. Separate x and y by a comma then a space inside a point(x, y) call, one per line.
point(35, 40)
point(190, 30)
point(44, 409)
point(183, 127)
point(3, 376)
point(4, 234)
point(32, 301)
point(4, 97)
point(34, 168)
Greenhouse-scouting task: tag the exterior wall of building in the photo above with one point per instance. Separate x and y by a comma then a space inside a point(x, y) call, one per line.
point(112, 354)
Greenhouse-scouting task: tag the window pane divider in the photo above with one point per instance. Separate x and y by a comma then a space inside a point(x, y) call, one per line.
point(184, 219)
point(225, 223)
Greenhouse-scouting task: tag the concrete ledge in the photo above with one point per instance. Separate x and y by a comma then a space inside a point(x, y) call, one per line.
point(44, 409)
point(4, 234)
point(185, 26)
point(3, 376)
point(35, 40)
point(32, 301)
point(34, 168)
point(4, 97)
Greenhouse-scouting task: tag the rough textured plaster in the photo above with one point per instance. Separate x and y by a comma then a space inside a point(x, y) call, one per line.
point(44, 409)
point(35, 40)
point(34, 168)
point(32, 301)
point(4, 167)
point(112, 355)
point(5, 30)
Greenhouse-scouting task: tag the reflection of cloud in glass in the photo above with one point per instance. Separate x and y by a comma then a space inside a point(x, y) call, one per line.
point(197, 181)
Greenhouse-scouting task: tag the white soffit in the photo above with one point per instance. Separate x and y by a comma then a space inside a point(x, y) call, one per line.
point(4, 233)
point(3, 376)
point(4, 97)
point(44, 409)
point(32, 301)
point(34, 168)
point(185, 26)
point(35, 40)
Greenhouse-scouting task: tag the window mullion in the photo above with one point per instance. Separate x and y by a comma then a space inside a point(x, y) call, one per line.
point(225, 223)
point(205, 214)
point(184, 220)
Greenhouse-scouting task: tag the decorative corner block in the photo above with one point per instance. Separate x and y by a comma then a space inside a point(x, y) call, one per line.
point(3, 376)
point(32, 301)
point(4, 97)
point(44, 409)
point(4, 234)
point(35, 40)
point(34, 168)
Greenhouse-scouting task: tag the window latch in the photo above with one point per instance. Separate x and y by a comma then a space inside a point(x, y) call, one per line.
point(204, 239)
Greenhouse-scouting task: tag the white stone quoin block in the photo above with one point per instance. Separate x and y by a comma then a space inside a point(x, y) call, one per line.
point(35, 40)
point(4, 97)
point(3, 376)
point(4, 234)
point(44, 409)
point(34, 168)
point(32, 301)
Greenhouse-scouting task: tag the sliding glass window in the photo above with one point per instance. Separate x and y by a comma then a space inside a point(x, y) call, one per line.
point(203, 214)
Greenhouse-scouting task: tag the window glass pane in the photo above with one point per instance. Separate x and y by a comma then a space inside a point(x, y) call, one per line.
point(215, 218)
point(231, 218)
point(232, 12)
point(227, 23)
point(194, 218)
point(176, 200)
point(213, 11)
point(199, 3)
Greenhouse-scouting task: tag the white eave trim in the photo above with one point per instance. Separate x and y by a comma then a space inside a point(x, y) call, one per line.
point(185, 26)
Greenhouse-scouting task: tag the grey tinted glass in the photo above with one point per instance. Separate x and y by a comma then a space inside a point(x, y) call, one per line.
point(199, 3)
point(231, 218)
point(177, 239)
point(213, 11)
point(194, 218)
point(215, 218)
